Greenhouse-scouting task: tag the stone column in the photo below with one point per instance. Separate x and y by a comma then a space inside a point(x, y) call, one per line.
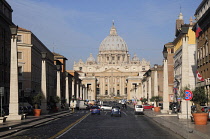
point(44, 85)
point(58, 91)
point(165, 87)
point(67, 90)
point(185, 79)
point(77, 93)
point(155, 83)
point(149, 89)
point(81, 92)
point(72, 93)
point(13, 104)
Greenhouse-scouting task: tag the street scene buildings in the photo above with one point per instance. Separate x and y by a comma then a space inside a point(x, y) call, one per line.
point(114, 75)
point(33, 75)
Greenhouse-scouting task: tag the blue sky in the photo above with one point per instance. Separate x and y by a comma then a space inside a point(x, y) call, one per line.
point(75, 28)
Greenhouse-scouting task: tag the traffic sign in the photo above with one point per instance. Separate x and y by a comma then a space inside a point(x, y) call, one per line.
point(188, 95)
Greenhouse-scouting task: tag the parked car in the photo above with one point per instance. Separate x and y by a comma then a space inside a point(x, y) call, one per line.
point(116, 111)
point(95, 110)
point(106, 107)
point(205, 109)
point(147, 106)
point(138, 109)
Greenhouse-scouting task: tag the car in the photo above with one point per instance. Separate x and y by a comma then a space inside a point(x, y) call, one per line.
point(147, 106)
point(205, 109)
point(95, 110)
point(138, 109)
point(106, 107)
point(116, 111)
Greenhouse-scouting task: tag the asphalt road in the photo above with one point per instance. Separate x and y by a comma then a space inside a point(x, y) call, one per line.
point(82, 125)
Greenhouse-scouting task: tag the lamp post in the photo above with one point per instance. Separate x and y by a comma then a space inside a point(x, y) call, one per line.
point(44, 83)
point(13, 104)
point(165, 82)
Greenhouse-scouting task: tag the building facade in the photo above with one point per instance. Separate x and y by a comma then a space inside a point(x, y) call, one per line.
point(114, 74)
point(5, 49)
point(152, 83)
point(30, 50)
point(184, 64)
point(202, 15)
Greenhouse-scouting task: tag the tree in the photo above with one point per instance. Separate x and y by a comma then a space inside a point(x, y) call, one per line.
point(143, 100)
point(156, 99)
point(199, 97)
point(37, 100)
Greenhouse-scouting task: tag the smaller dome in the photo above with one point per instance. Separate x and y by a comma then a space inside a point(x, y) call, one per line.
point(91, 59)
point(135, 58)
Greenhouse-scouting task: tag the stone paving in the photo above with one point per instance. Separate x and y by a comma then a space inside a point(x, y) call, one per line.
point(183, 127)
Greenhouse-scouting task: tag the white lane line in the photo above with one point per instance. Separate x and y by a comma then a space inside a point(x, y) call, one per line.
point(124, 113)
point(72, 127)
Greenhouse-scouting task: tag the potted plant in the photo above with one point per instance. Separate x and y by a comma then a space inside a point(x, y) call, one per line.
point(53, 101)
point(37, 101)
point(143, 100)
point(156, 99)
point(199, 97)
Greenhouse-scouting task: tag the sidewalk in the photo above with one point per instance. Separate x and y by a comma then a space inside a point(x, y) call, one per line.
point(10, 127)
point(183, 127)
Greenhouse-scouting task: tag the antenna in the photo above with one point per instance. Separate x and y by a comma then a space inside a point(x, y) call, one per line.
point(53, 47)
point(180, 8)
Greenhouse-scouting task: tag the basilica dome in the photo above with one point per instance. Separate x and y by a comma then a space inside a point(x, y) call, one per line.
point(113, 42)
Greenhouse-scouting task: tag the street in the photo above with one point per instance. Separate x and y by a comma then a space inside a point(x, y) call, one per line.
point(84, 125)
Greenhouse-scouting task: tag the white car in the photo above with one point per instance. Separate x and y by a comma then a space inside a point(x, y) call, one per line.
point(105, 107)
point(139, 109)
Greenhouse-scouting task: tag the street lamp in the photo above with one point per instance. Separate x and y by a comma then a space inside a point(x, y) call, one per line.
point(165, 53)
point(44, 55)
point(13, 30)
point(156, 65)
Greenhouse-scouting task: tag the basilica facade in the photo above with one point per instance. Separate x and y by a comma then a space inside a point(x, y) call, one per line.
point(114, 74)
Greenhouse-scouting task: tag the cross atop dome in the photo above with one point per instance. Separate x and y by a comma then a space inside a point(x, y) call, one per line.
point(113, 31)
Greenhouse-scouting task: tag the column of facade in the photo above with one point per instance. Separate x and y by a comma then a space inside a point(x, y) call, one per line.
point(13, 104)
point(149, 89)
point(109, 89)
point(115, 86)
point(121, 92)
point(58, 91)
point(67, 91)
point(72, 94)
point(81, 92)
point(155, 84)
point(146, 92)
point(165, 87)
point(102, 84)
point(77, 91)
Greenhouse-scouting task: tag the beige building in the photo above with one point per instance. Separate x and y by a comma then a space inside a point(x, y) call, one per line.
point(152, 83)
point(30, 50)
point(114, 75)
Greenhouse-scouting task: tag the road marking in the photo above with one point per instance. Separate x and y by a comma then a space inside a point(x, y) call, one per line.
point(68, 128)
point(124, 113)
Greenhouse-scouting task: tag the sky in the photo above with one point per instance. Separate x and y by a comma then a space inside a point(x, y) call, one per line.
point(75, 28)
